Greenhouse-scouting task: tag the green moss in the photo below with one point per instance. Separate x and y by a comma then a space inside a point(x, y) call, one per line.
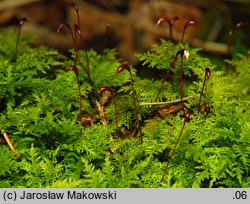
point(39, 104)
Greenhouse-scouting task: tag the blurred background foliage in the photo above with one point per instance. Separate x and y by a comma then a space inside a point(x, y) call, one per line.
point(132, 23)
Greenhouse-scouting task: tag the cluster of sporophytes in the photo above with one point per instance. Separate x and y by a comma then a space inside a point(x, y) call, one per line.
point(93, 121)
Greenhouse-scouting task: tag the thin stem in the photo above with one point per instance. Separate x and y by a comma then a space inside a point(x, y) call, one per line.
point(79, 32)
point(93, 93)
point(135, 106)
point(171, 32)
point(119, 70)
point(231, 35)
point(207, 77)
point(74, 68)
point(81, 64)
point(17, 42)
point(21, 22)
point(172, 153)
point(80, 98)
point(106, 37)
point(162, 84)
point(199, 104)
point(182, 36)
point(105, 41)
point(171, 27)
point(180, 82)
point(75, 6)
point(170, 23)
point(76, 50)
point(187, 24)
point(74, 39)
point(183, 53)
point(70, 30)
point(187, 116)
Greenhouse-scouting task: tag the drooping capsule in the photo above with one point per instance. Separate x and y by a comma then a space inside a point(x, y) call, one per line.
point(164, 19)
point(22, 21)
point(187, 24)
point(75, 69)
point(78, 31)
point(208, 73)
point(187, 115)
point(62, 25)
point(105, 88)
point(122, 67)
point(203, 108)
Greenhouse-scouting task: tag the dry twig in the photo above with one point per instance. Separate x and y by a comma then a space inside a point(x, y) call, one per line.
point(6, 137)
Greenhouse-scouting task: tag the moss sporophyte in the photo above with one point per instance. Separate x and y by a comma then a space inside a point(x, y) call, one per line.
point(207, 77)
point(170, 24)
point(137, 126)
point(75, 69)
point(187, 24)
point(183, 53)
point(231, 35)
point(21, 22)
point(186, 118)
